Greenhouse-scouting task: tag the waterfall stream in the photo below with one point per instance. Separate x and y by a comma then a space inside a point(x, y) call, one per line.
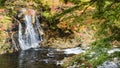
point(31, 37)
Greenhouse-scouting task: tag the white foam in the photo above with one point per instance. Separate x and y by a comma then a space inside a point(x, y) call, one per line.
point(76, 50)
point(114, 50)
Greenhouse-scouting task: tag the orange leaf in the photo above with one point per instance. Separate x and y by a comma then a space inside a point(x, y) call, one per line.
point(1, 17)
point(2, 10)
point(2, 28)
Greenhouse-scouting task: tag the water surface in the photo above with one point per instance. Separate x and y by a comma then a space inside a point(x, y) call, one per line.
point(32, 58)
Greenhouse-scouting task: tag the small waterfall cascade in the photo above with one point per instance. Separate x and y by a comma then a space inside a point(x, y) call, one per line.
point(29, 35)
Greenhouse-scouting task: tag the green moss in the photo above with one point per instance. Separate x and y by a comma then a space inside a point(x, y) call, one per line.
point(99, 60)
point(115, 54)
point(2, 2)
point(5, 48)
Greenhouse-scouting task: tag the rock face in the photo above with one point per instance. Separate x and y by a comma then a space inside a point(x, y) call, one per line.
point(29, 30)
point(108, 64)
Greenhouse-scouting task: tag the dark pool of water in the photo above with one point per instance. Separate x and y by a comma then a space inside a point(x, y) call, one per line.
point(32, 58)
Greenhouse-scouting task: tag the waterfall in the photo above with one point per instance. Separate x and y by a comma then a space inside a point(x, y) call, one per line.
point(31, 36)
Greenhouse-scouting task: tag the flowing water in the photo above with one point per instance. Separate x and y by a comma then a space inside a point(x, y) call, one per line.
point(31, 36)
point(32, 58)
point(37, 58)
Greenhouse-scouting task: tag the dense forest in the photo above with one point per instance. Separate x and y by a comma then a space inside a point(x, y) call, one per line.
point(90, 24)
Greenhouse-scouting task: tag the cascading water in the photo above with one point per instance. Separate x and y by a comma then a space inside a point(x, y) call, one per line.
point(31, 37)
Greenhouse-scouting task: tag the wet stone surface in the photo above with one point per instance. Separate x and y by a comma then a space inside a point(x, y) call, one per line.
point(109, 64)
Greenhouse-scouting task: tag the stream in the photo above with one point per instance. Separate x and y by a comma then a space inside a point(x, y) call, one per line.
point(33, 58)
point(37, 58)
point(29, 39)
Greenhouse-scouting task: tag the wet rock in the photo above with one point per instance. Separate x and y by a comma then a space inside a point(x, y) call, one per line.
point(24, 22)
point(109, 64)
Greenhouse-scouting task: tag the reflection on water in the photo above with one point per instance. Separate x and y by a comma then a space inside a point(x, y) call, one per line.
point(9, 60)
point(32, 58)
